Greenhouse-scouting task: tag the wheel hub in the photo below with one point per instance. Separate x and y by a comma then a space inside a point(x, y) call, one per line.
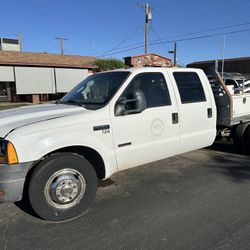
point(65, 188)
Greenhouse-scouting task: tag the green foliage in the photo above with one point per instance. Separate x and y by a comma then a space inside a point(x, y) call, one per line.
point(108, 64)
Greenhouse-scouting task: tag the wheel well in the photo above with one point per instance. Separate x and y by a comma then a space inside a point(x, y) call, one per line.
point(88, 153)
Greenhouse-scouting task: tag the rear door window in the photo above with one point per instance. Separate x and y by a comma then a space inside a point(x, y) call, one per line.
point(190, 87)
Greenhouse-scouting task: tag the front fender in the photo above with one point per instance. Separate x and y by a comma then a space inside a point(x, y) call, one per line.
point(34, 146)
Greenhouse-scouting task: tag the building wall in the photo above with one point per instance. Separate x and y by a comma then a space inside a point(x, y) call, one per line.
point(7, 44)
point(235, 65)
point(37, 83)
point(34, 80)
point(66, 79)
point(148, 60)
point(6, 82)
point(6, 74)
point(10, 47)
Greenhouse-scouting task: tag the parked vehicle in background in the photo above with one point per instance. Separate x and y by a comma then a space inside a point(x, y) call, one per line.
point(234, 82)
point(52, 155)
point(233, 109)
point(246, 86)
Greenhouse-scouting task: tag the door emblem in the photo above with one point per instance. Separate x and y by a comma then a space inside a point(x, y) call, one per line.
point(105, 128)
point(157, 127)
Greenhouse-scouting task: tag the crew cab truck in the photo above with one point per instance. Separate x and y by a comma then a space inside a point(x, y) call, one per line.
point(52, 155)
point(233, 108)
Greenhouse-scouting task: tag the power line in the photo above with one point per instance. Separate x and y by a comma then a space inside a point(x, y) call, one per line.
point(158, 38)
point(214, 13)
point(186, 34)
point(119, 44)
point(182, 40)
point(203, 31)
point(213, 29)
point(207, 36)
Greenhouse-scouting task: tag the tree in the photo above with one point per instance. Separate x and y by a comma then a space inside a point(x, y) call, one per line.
point(108, 64)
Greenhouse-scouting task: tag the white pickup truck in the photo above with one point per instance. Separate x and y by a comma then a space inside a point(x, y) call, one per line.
point(52, 155)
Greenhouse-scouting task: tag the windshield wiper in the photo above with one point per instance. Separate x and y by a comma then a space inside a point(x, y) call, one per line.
point(93, 103)
point(79, 102)
point(72, 102)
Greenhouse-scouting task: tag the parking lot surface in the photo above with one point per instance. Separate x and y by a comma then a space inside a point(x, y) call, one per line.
point(198, 200)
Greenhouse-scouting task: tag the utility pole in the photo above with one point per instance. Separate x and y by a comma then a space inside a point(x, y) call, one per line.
point(61, 39)
point(175, 53)
point(223, 56)
point(148, 12)
point(20, 41)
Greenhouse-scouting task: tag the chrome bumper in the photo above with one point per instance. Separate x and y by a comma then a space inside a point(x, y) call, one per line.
point(12, 179)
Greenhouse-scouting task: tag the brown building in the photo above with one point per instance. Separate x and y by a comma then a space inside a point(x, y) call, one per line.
point(236, 65)
point(35, 77)
point(152, 60)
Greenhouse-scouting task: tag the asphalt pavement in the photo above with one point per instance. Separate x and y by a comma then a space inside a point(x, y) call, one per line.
point(198, 200)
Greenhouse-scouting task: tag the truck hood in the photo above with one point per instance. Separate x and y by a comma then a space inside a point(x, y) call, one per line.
point(15, 118)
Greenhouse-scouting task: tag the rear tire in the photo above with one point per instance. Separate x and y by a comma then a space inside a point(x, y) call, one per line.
point(62, 187)
point(242, 138)
point(247, 140)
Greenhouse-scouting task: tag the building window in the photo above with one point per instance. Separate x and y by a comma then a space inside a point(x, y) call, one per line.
point(190, 87)
point(3, 92)
point(10, 41)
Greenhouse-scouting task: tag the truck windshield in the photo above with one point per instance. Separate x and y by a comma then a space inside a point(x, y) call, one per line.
point(96, 90)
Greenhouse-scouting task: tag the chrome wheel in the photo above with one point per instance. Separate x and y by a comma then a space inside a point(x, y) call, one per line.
point(65, 188)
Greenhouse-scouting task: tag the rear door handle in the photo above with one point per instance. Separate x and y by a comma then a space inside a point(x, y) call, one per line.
point(209, 113)
point(175, 118)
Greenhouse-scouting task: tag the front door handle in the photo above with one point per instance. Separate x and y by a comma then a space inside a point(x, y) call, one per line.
point(175, 118)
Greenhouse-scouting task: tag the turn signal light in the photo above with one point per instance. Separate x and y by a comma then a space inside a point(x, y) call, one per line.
point(11, 153)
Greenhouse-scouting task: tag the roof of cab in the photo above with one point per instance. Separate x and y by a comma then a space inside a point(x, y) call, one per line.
point(154, 69)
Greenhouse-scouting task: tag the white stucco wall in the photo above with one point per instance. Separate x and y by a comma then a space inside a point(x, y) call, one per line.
point(66, 79)
point(41, 80)
point(6, 74)
point(34, 80)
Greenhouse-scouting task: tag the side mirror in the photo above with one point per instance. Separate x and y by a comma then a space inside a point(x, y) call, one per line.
point(133, 105)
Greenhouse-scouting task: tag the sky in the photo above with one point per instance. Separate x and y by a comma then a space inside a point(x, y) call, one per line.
point(116, 28)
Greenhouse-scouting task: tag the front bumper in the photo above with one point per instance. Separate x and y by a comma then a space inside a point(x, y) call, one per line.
point(12, 178)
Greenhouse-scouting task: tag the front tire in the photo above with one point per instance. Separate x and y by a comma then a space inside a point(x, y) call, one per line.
point(62, 187)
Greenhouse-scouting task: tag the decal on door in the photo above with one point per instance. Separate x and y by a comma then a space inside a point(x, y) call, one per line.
point(157, 127)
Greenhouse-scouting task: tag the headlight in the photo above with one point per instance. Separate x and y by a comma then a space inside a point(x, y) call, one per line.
point(8, 153)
